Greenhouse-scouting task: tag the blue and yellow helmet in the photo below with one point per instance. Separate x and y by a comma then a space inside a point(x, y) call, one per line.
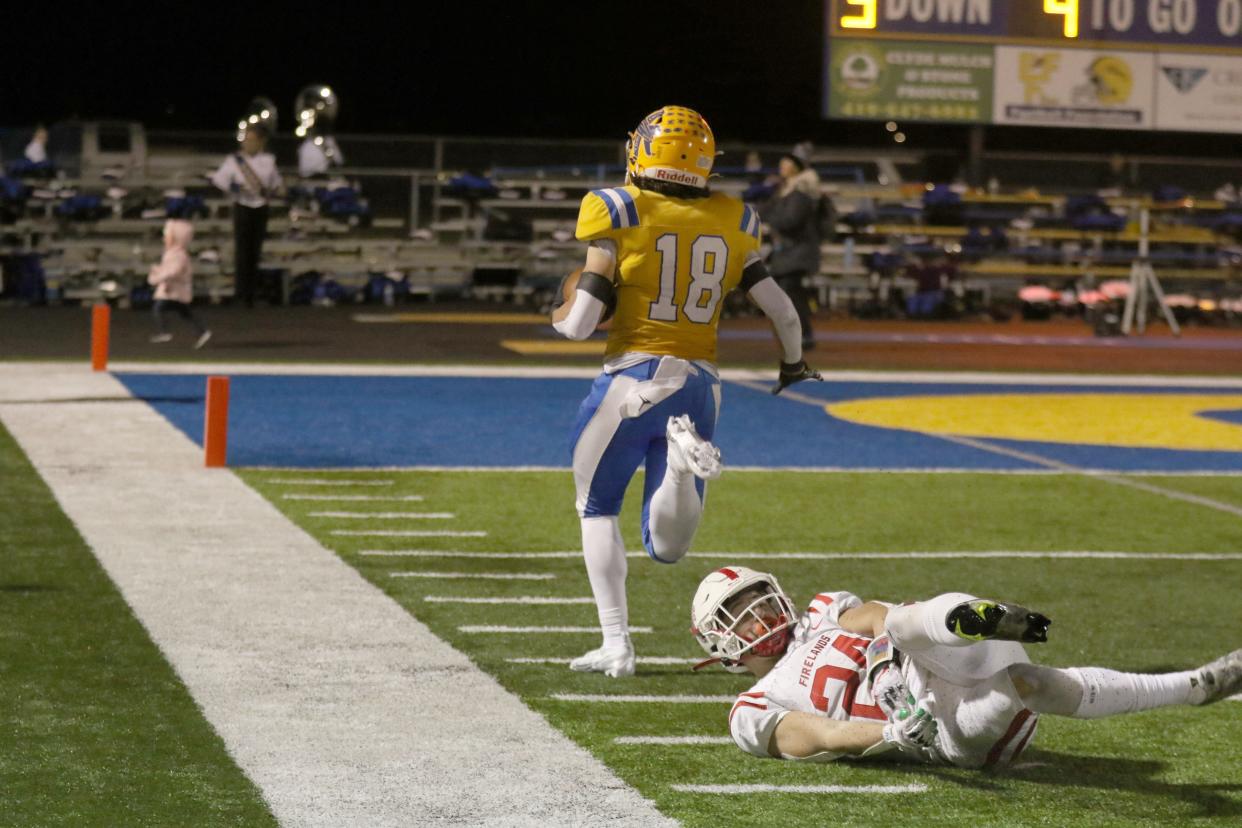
point(672, 144)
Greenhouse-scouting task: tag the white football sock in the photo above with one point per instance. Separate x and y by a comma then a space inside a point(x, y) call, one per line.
point(921, 626)
point(604, 553)
point(674, 515)
point(1096, 692)
point(1109, 692)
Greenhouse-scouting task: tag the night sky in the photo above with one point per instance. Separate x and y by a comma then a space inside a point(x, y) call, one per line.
point(537, 69)
point(583, 70)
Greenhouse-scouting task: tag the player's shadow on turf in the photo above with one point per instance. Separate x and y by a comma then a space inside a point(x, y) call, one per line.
point(1136, 775)
point(1107, 773)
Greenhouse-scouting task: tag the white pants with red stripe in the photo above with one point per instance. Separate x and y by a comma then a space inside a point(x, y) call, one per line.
point(983, 722)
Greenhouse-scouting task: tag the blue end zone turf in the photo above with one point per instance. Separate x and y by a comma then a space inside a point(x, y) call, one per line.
point(360, 421)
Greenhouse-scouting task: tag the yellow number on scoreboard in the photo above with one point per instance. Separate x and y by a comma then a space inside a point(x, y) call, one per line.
point(865, 19)
point(1069, 8)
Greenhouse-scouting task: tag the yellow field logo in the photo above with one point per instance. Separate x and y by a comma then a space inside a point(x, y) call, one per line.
point(1160, 421)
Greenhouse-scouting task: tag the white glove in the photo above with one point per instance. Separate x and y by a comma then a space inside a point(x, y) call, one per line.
point(913, 728)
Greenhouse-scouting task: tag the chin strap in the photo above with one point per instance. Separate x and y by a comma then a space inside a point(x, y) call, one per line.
point(702, 664)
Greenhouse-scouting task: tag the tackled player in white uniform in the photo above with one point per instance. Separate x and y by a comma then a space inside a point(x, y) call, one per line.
point(943, 681)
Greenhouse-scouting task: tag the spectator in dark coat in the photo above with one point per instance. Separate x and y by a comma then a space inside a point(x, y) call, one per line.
point(792, 214)
point(931, 275)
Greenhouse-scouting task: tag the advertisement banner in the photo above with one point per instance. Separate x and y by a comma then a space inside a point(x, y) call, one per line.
point(888, 80)
point(1074, 88)
point(1198, 93)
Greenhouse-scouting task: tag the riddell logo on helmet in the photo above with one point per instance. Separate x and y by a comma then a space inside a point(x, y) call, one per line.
point(676, 177)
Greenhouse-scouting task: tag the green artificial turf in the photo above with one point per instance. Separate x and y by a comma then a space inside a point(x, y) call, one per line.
point(95, 727)
point(1168, 767)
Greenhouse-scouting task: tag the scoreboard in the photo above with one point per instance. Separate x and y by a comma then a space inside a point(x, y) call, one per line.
point(1116, 64)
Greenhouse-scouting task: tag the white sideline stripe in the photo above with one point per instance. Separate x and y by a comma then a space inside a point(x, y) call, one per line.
point(408, 533)
point(800, 789)
point(829, 556)
point(351, 498)
point(336, 702)
point(386, 515)
point(624, 699)
point(482, 576)
point(490, 628)
point(299, 481)
point(517, 599)
point(641, 660)
point(673, 740)
point(733, 374)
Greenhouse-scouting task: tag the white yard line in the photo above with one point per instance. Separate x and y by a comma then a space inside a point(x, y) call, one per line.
point(833, 556)
point(830, 556)
point(493, 628)
point(641, 699)
point(533, 600)
point(300, 481)
point(408, 533)
point(338, 704)
point(743, 790)
point(351, 498)
point(663, 660)
point(385, 515)
point(449, 553)
point(481, 576)
point(673, 740)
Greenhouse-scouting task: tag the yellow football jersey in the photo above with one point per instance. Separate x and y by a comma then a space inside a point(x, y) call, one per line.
point(676, 260)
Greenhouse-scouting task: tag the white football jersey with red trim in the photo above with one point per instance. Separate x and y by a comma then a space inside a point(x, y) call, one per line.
point(821, 673)
point(982, 719)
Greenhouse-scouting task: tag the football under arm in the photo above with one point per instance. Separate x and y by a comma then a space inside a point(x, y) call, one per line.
point(808, 737)
point(776, 306)
point(581, 313)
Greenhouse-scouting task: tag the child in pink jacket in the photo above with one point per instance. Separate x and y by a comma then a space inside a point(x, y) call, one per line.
point(172, 278)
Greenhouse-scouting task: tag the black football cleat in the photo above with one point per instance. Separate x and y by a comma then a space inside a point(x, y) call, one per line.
point(983, 620)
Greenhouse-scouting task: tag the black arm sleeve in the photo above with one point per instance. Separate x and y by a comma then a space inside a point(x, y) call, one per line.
point(754, 273)
point(600, 287)
point(594, 284)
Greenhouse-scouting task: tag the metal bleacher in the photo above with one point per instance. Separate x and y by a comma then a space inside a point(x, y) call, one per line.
point(514, 241)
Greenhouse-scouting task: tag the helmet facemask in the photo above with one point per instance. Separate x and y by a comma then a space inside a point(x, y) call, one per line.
point(758, 619)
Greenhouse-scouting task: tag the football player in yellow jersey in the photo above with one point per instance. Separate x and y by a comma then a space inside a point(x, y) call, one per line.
point(663, 252)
